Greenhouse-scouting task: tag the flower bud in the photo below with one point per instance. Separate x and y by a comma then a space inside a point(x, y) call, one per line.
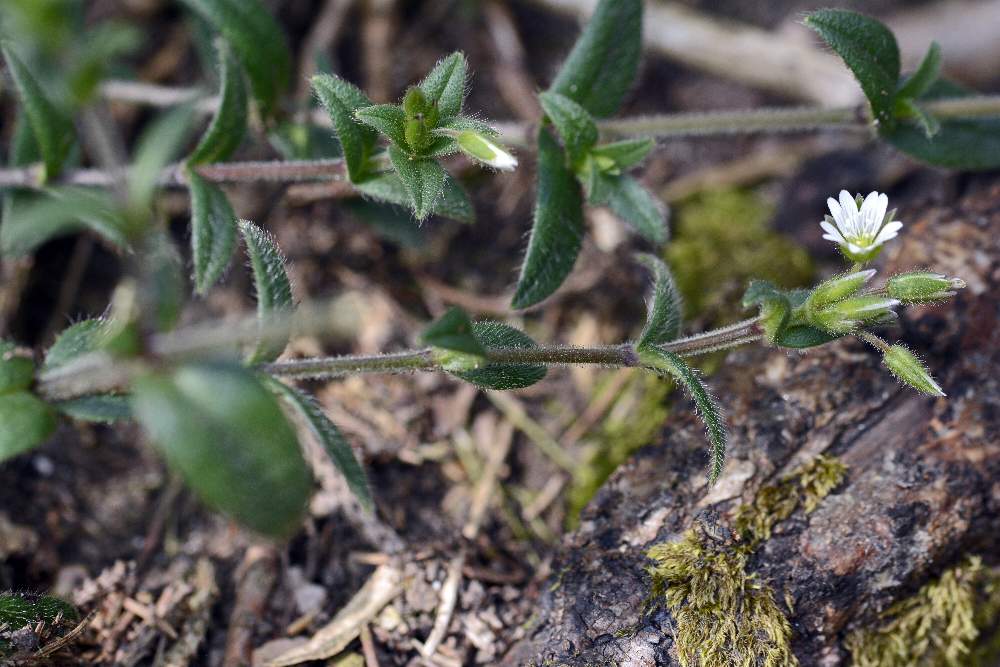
point(908, 369)
point(847, 315)
point(414, 102)
point(922, 287)
point(838, 288)
point(485, 150)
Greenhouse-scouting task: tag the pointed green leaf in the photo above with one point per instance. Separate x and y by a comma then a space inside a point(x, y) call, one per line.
point(626, 153)
point(574, 124)
point(869, 49)
point(102, 409)
point(602, 65)
point(389, 119)
point(635, 205)
point(213, 231)
point(454, 202)
point(424, 180)
point(445, 84)
point(257, 40)
point(341, 100)
point(160, 144)
point(74, 341)
point(453, 331)
point(499, 336)
point(58, 212)
point(229, 124)
point(225, 433)
point(920, 82)
point(665, 313)
point(670, 364)
point(960, 143)
point(52, 129)
point(557, 232)
point(274, 291)
point(27, 423)
point(17, 369)
point(162, 284)
point(329, 436)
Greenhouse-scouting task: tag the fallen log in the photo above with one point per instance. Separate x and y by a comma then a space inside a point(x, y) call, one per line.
point(881, 569)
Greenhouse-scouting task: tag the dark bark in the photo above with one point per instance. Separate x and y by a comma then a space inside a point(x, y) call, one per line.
point(922, 489)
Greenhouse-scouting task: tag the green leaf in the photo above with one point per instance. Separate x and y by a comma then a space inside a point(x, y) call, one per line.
point(76, 340)
point(453, 331)
point(760, 291)
point(499, 336)
point(389, 119)
point(454, 202)
point(668, 363)
point(274, 291)
point(225, 433)
point(424, 180)
point(907, 109)
point(920, 82)
point(635, 205)
point(341, 100)
point(960, 143)
point(665, 314)
point(52, 129)
point(258, 42)
point(103, 409)
point(605, 60)
point(869, 49)
point(58, 212)
point(391, 222)
point(213, 231)
point(229, 125)
point(557, 231)
point(17, 370)
point(626, 153)
point(330, 437)
point(27, 423)
point(162, 285)
point(576, 127)
point(158, 146)
point(445, 84)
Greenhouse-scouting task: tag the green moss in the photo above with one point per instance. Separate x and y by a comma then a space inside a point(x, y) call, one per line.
point(806, 487)
point(726, 616)
point(945, 623)
point(721, 239)
point(633, 422)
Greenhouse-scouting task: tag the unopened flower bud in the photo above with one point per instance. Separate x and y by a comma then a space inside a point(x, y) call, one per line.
point(847, 315)
point(485, 150)
point(838, 288)
point(922, 287)
point(908, 369)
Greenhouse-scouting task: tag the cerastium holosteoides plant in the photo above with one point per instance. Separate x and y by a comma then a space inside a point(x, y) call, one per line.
point(217, 401)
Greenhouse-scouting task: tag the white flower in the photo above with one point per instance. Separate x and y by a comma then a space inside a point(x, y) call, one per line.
point(860, 228)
